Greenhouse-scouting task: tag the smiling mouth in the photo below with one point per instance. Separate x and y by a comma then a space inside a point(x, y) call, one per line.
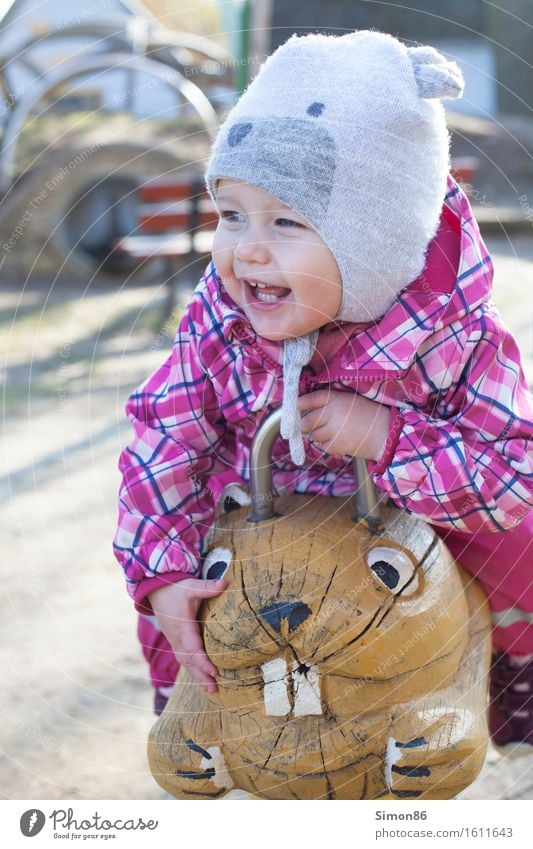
point(266, 293)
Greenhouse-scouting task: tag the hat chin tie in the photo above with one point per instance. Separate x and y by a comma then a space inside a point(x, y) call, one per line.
point(297, 353)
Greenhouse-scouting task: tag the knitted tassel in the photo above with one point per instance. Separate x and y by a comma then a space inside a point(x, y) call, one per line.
point(296, 355)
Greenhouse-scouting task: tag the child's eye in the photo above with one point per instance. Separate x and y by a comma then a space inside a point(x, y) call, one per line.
point(288, 222)
point(231, 216)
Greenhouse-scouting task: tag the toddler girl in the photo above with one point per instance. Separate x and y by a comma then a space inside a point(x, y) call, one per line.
point(348, 283)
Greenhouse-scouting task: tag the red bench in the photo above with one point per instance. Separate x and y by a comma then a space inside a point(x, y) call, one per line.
point(176, 221)
point(464, 168)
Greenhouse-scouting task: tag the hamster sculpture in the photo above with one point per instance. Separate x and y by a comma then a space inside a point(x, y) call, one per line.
point(353, 664)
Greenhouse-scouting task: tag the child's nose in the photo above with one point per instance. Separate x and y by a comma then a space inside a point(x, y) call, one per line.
point(251, 249)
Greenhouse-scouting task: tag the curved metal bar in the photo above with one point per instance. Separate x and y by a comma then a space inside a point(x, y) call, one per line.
point(85, 65)
point(195, 43)
point(160, 47)
point(112, 29)
point(261, 469)
point(119, 29)
point(366, 496)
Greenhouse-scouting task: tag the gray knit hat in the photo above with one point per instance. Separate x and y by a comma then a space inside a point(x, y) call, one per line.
point(350, 132)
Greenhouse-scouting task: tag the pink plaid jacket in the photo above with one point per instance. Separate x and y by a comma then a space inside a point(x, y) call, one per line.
point(457, 452)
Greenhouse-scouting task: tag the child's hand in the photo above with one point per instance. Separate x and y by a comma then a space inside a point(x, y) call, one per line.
point(176, 607)
point(345, 423)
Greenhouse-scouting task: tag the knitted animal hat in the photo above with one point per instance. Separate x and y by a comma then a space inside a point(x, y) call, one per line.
point(349, 131)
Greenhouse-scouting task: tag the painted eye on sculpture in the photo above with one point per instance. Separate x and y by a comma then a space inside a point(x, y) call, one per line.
point(216, 563)
point(394, 569)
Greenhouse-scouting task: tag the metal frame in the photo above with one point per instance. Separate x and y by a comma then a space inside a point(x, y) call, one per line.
point(136, 44)
point(85, 65)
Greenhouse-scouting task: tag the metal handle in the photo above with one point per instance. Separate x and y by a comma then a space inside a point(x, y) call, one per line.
point(366, 496)
point(260, 468)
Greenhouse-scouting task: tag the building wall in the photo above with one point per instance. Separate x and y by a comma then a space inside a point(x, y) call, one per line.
point(424, 20)
point(499, 72)
point(510, 25)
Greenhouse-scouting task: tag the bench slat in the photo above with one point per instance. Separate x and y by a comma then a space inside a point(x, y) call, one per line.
point(173, 221)
point(160, 190)
point(159, 217)
point(165, 246)
point(176, 219)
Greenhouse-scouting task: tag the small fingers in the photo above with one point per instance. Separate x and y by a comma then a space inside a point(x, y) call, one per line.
point(323, 441)
point(207, 681)
point(192, 656)
point(205, 673)
point(313, 420)
point(200, 668)
point(314, 400)
point(204, 588)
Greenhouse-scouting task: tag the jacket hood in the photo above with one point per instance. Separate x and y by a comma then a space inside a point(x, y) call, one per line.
point(456, 279)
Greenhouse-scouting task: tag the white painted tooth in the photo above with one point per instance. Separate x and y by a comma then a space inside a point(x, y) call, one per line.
point(392, 754)
point(274, 674)
point(222, 777)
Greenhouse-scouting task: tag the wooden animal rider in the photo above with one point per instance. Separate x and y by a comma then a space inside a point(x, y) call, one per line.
point(353, 656)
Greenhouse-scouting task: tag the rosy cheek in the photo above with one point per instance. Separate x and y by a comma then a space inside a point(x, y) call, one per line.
point(218, 244)
point(223, 263)
point(232, 286)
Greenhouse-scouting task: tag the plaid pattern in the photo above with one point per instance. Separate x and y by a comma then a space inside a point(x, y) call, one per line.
point(441, 355)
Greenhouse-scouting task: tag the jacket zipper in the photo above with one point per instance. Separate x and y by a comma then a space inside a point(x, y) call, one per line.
point(308, 380)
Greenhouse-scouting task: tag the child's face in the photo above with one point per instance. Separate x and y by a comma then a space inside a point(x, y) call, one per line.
point(273, 263)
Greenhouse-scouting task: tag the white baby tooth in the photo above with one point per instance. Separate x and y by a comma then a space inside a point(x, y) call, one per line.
point(261, 296)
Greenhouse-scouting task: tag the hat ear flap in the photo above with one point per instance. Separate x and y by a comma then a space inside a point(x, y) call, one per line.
point(435, 75)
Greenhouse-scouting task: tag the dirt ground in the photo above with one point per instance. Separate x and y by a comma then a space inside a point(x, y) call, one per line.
point(76, 707)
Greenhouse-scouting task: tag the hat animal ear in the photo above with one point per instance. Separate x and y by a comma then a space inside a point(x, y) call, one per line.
point(435, 75)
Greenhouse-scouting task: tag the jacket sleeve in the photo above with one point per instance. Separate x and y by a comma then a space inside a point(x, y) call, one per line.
point(468, 463)
point(165, 503)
